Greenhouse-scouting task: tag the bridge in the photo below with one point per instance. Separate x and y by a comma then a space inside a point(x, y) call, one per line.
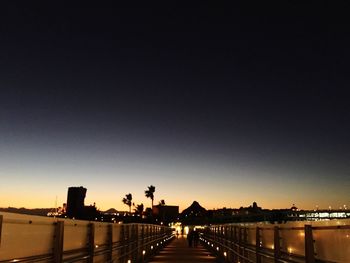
point(39, 239)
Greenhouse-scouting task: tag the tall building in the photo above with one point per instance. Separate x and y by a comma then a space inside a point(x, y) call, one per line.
point(75, 202)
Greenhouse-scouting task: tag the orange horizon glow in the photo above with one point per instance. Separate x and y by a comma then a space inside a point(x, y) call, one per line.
point(34, 201)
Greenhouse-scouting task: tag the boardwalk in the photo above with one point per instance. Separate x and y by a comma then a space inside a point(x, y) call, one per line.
point(178, 251)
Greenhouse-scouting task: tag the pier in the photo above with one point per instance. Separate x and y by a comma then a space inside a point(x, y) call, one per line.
point(25, 238)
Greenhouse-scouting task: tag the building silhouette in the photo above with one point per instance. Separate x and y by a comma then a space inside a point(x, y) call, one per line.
point(75, 201)
point(76, 207)
point(166, 213)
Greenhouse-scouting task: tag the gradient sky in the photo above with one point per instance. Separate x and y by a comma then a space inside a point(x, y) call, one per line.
point(225, 105)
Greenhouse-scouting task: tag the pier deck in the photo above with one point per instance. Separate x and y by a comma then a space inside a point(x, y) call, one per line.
point(178, 251)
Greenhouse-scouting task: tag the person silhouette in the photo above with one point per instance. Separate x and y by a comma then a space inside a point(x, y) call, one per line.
point(195, 237)
point(190, 238)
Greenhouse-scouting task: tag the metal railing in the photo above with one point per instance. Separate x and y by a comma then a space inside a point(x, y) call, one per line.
point(40, 239)
point(327, 241)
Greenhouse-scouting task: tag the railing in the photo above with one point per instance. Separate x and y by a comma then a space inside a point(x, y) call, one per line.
point(321, 241)
point(38, 239)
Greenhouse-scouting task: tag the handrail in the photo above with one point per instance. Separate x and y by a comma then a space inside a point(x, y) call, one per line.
point(239, 243)
point(111, 243)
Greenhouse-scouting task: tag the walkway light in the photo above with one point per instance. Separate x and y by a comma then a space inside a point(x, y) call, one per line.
point(151, 247)
point(129, 261)
point(143, 252)
point(225, 254)
point(217, 248)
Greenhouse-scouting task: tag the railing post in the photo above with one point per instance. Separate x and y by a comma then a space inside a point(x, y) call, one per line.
point(245, 241)
point(142, 246)
point(257, 245)
point(309, 245)
point(1, 219)
point(226, 236)
point(91, 244)
point(221, 241)
point(240, 251)
point(58, 241)
point(233, 246)
point(135, 243)
point(110, 242)
point(126, 242)
point(276, 244)
point(122, 250)
point(235, 240)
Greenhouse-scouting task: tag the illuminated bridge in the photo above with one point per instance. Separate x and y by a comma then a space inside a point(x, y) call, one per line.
point(38, 239)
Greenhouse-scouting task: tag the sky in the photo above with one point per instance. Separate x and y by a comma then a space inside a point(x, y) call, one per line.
point(222, 104)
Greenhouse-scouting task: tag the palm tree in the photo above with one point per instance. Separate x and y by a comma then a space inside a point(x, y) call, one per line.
point(150, 193)
point(128, 201)
point(139, 209)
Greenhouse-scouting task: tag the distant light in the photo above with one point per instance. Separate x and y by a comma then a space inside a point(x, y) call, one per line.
point(143, 252)
point(225, 254)
point(217, 248)
point(129, 261)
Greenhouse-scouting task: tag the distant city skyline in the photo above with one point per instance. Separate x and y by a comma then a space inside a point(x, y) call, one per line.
point(225, 105)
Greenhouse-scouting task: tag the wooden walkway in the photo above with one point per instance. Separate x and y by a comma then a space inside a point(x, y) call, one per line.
point(178, 251)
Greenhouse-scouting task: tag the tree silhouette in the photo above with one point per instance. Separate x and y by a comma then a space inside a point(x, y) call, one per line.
point(139, 209)
point(150, 193)
point(161, 202)
point(128, 201)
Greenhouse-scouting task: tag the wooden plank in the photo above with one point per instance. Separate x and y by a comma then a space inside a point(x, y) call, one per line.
point(179, 251)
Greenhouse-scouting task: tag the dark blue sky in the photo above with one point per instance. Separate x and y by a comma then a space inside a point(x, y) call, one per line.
point(197, 100)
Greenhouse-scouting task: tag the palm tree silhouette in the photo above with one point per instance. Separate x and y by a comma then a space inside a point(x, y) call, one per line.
point(128, 201)
point(150, 193)
point(139, 209)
